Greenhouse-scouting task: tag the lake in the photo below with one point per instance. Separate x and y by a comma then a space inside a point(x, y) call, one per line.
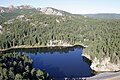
point(59, 62)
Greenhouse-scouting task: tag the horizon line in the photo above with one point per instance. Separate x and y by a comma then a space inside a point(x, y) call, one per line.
point(60, 9)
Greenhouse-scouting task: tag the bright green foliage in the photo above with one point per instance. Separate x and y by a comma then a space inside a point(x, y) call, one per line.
point(39, 74)
point(18, 77)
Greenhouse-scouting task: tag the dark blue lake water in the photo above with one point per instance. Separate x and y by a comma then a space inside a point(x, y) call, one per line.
point(60, 63)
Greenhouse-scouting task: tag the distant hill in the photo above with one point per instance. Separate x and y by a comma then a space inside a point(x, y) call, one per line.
point(104, 16)
point(29, 9)
point(7, 13)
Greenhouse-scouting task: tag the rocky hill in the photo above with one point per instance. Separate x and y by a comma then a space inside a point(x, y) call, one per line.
point(13, 8)
point(11, 12)
point(45, 10)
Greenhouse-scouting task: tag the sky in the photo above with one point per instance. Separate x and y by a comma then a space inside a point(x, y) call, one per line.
point(72, 6)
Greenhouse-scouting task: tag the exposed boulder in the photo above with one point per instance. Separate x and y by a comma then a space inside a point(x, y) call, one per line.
point(58, 43)
point(9, 21)
point(1, 10)
point(57, 21)
point(1, 29)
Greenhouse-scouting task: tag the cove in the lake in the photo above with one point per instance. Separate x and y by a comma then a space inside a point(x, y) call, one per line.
point(59, 62)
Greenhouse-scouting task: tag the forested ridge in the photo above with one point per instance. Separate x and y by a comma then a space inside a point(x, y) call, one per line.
point(10, 15)
point(104, 16)
point(101, 36)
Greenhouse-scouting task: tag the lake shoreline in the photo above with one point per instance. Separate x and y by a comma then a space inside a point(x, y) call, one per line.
point(41, 46)
point(51, 47)
point(102, 66)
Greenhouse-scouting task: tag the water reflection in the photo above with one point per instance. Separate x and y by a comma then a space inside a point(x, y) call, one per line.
point(59, 49)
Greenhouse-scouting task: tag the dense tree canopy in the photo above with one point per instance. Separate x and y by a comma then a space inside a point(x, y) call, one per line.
point(15, 66)
point(101, 36)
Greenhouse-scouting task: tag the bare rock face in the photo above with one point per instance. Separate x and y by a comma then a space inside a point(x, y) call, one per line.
point(104, 65)
point(59, 14)
point(24, 7)
point(45, 10)
point(12, 8)
point(50, 11)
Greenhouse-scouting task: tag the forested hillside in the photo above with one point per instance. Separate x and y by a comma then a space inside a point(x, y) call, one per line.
point(104, 16)
point(102, 37)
